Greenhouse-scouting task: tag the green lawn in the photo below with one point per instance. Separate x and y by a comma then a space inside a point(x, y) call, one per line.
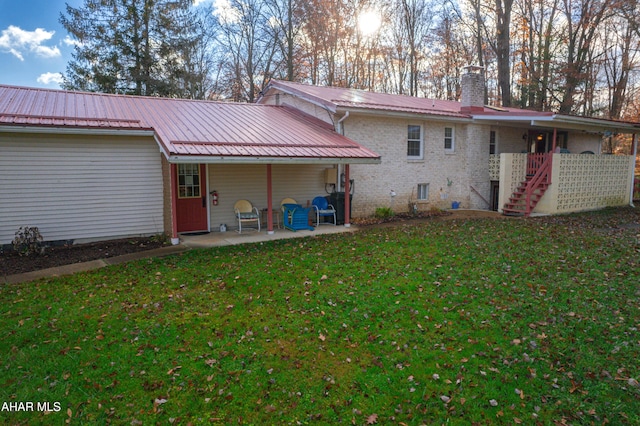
point(488, 321)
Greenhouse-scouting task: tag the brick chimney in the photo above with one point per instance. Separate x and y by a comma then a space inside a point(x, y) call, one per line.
point(472, 87)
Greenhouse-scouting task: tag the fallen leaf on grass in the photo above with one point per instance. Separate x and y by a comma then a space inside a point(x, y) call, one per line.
point(158, 402)
point(173, 370)
point(372, 419)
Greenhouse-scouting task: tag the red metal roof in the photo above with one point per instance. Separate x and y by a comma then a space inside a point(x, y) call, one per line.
point(338, 98)
point(185, 127)
point(335, 98)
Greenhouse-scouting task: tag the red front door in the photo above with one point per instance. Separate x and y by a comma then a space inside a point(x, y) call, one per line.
point(192, 198)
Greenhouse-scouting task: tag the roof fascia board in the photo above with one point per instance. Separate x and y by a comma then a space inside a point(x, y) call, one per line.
point(75, 131)
point(564, 121)
point(499, 118)
point(162, 147)
point(268, 160)
point(597, 123)
point(321, 102)
point(400, 114)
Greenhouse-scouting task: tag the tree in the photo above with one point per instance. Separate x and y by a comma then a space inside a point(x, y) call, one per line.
point(139, 47)
point(285, 29)
point(583, 19)
point(536, 44)
point(415, 21)
point(503, 48)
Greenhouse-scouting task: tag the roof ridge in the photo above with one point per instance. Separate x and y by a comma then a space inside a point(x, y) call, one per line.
point(66, 117)
point(340, 88)
point(124, 95)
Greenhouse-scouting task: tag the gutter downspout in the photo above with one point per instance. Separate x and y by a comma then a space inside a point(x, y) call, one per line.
point(340, 131)
point(634, 147)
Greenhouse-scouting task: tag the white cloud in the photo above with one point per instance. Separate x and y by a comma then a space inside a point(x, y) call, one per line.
point(17, 41)
point(69, 41)
point(225, 12)
point(50, 77)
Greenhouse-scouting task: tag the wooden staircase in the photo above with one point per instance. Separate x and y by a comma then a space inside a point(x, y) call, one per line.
point(528, 194)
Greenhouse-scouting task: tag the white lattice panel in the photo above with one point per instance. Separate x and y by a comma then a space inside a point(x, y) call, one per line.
point(590, 181)
point(494, 167)
point(518, 170)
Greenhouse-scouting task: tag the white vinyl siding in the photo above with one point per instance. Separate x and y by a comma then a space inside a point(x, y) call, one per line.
point(80, 188)
point(249, 182)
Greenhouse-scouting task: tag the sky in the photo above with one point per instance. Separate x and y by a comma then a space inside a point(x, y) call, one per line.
point(34, 47)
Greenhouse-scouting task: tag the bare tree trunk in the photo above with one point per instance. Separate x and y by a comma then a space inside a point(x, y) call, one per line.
point(503, 48)
point(581, 35)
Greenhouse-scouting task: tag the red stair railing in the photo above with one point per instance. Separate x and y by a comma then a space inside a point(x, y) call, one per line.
point(541, 167)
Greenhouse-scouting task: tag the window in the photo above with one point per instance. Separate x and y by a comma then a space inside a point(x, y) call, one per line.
point(414, 141)
point(448, 140)
point(188, 180)
point(423, 191)
point(492, 142)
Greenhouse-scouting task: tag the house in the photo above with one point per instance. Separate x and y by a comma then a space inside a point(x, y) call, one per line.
point(88, 166)
point(437, 153)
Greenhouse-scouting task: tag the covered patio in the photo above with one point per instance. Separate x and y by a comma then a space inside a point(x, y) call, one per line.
point(230, 238)
point(259, 153)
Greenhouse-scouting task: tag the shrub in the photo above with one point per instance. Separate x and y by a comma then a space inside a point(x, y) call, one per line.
point(384, 212)
point(28, 241)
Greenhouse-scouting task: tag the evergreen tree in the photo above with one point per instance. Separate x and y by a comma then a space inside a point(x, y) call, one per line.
point(138, 47)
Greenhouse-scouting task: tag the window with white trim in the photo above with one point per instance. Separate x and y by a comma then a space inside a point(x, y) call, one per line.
point(414, 141)
point(188, 180)
point(449, 140)
point(423, 191)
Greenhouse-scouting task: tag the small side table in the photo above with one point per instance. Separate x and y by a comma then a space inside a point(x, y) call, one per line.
point(277, 217)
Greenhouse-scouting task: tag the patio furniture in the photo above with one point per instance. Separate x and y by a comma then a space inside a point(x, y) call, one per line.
point(276, 217)
point(296, 217)
point(287, 201)
point(282, 203)
point(323, 209)
point(245, 212)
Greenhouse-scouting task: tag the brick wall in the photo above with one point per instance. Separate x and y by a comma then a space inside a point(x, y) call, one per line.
point(472, 88)
point(449, 175)
point(166, 193)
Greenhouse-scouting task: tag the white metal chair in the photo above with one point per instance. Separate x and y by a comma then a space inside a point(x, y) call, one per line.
point(245, 212)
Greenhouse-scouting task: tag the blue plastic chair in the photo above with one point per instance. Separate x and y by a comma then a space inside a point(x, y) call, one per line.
point(323, 209)
point(296, 217)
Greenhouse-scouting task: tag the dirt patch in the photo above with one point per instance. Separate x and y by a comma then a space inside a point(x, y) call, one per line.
point(11, 263)
point(408, 219)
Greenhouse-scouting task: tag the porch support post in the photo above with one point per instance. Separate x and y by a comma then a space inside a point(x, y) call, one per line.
point(634, 153)
point(175, 240)
point(554, 143)
point(347, 200)
point(269, 202)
